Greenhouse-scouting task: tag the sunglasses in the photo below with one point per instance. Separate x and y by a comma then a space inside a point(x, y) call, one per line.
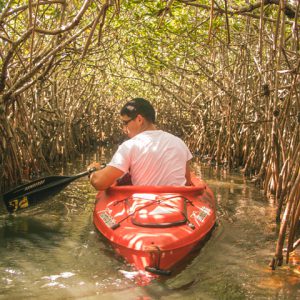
point(126, 122)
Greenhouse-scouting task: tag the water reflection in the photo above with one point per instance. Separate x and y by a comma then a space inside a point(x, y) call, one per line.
point(21, 232)
point(53, 251)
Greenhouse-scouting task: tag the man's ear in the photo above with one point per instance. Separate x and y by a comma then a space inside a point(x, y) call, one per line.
point(140, 118)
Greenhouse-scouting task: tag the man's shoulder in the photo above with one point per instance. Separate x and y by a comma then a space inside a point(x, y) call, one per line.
point(130, 142)
point(171, 136)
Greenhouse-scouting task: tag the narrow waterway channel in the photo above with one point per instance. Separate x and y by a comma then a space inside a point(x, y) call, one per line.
point(52, 251)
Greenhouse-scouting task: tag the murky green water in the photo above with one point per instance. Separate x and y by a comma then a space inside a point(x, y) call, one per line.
point(53, 251)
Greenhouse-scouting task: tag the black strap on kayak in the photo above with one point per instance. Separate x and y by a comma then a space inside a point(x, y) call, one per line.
point(118, 224)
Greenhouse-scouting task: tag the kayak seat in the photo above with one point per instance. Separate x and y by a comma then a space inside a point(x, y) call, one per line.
point(161, 211)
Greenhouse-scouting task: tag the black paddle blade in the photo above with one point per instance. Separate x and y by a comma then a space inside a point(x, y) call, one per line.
point(32, 193)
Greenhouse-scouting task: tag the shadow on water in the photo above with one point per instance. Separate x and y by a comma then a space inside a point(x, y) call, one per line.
point(29, 229)
point(54, 252)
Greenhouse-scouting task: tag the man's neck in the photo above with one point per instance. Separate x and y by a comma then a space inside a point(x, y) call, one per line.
point(147, 126)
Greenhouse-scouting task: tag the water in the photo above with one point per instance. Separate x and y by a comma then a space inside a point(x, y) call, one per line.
point(52, 251)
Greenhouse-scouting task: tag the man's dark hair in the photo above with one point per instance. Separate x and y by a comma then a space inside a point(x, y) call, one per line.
point(139, 106)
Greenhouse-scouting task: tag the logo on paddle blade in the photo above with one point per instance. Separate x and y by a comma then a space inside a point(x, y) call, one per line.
point(23, 203)
point(34, 185)
point(18, 203)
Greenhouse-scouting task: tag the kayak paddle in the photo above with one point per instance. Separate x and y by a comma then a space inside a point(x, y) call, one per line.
point(34, 192)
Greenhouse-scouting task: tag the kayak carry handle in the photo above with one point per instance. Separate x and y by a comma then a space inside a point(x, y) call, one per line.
point(158, 271)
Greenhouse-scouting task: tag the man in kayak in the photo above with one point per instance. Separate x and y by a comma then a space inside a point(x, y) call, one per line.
point(151, 156)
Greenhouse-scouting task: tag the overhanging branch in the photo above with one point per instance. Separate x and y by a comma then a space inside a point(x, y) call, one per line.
point(245, 10)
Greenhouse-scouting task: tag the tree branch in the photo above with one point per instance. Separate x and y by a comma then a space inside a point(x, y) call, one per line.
point(24, 7)
point(71, 25)
point(3, 74)
point(5, 10)
point(289, 10)
point(62, 29)
point(10, 93)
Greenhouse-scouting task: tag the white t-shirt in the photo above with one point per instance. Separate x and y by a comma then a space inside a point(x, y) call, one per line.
point(153, 157)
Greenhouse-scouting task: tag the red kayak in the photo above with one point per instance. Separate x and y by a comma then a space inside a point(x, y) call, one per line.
point(155, 227)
